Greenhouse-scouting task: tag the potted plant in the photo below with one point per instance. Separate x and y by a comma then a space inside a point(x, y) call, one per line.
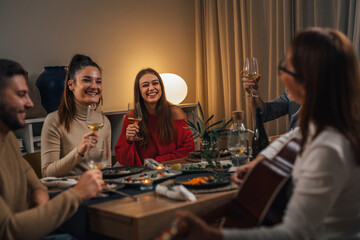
point(209, 134)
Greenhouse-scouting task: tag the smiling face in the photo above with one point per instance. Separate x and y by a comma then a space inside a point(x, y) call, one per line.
point(87, 88)
point(150, 88)
point(296, 90)
point(15, 102)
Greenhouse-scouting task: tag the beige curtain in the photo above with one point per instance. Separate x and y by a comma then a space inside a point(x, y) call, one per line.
point(229, 30)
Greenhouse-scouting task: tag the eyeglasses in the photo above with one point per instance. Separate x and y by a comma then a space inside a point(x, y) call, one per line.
point(285, 70)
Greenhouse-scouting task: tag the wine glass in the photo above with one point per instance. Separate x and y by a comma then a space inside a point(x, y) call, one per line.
point(134, 114)
point(251, 71)
point(95, 121)
point(98, 156)
point(95, 117)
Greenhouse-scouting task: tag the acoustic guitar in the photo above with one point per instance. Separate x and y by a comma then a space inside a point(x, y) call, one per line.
point(262, 198)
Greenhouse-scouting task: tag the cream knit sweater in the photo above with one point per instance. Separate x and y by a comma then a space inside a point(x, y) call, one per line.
point(59, 156)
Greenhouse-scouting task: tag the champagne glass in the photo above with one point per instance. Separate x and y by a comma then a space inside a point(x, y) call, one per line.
point(98, 156)
point(95, 117)
point(251, 71)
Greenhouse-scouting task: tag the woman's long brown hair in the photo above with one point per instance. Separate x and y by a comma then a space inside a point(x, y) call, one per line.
point(165, 125)
point(328, 67)
point(67, 108)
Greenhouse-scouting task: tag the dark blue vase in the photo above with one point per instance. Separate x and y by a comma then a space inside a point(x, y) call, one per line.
point(51, 86)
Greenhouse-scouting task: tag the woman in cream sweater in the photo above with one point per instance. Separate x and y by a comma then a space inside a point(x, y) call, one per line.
point(65, 136)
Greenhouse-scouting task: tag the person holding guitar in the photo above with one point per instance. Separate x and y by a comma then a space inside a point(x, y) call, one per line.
point(321, 72)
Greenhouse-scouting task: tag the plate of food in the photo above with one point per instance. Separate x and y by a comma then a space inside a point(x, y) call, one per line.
point(196, 168)
point(196, 155)
point(155, 176)
point(121, 171)
point(203, 180)
point(202, 167)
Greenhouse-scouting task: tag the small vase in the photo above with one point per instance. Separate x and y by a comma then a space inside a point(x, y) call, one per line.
point(51, 86)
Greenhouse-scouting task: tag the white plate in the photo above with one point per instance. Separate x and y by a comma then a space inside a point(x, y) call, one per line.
point(58, 182)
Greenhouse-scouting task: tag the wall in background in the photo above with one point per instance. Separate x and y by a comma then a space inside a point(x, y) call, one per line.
point(122, 36)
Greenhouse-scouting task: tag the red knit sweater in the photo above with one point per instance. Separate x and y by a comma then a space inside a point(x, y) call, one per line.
point(131, 154)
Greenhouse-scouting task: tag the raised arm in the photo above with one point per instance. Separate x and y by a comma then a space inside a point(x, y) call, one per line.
point(253, 86)
point(62, 152)
point(51, 163)
point(126, 153)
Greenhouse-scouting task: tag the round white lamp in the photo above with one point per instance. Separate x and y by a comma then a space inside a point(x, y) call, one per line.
point(175, 87)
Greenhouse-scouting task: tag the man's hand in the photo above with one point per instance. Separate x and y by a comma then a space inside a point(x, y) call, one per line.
point(251, 85)
point(38, 197)
point(89, 184)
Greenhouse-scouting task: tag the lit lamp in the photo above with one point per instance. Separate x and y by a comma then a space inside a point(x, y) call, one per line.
point(175, 87)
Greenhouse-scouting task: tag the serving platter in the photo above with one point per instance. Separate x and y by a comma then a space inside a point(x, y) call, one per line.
point(209, 180)
point(155, 175)
point(195, 168)
point(196, 156)
point(201, 167)
point(110, 173)
point(223, 154)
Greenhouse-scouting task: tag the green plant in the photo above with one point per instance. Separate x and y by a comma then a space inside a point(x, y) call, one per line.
point(209, 133)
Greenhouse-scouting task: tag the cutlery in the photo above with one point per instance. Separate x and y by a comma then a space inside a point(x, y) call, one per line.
point(123, 194)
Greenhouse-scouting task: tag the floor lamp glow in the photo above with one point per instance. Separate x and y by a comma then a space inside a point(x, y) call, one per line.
point(175, 87)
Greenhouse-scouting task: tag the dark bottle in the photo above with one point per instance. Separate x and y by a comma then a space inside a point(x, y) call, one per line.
point(260, 139)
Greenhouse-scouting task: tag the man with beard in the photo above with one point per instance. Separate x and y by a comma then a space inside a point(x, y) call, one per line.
point(25, 209)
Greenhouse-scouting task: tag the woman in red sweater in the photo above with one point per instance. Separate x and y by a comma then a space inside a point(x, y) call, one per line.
point(164, 134)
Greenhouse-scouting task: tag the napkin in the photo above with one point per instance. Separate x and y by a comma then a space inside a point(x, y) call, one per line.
point(58, 182)
point(151, 163)
point(178, 192)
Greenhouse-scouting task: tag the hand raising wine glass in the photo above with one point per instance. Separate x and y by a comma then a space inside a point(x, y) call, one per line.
point(251, 72)
point(134, 112)
point(96, 151)
point(95, 117)
point(135, 116)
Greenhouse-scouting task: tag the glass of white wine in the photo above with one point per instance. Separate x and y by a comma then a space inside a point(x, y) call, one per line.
point(251, 71)
point(134, 113)
point(95, 117)
point(98, 156)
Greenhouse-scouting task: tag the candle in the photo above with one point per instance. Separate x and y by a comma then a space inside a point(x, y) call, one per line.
point(146, 184)
point(159, 167)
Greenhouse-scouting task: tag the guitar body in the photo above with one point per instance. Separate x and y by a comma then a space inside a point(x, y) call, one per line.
point(263, 196)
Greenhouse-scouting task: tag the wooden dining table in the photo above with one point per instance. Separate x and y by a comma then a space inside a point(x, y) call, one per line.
point(127, 219)
point(147, 218)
